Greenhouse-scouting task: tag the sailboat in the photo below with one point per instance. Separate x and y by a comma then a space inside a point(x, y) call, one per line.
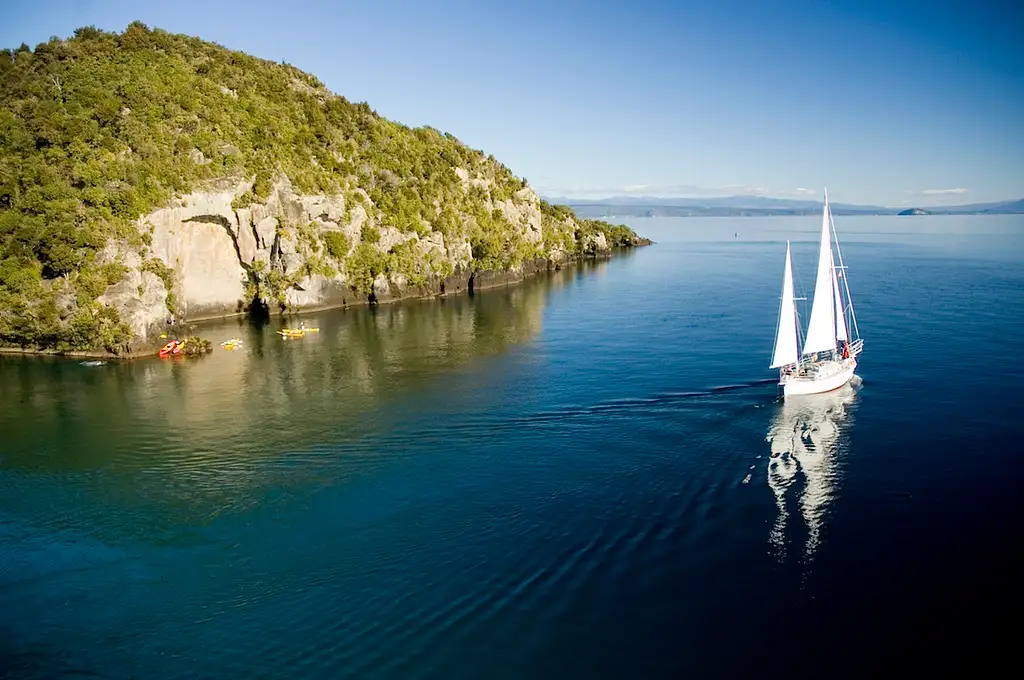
point(829, 354)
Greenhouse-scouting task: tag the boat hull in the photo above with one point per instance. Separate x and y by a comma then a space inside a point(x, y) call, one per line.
point(823, 382)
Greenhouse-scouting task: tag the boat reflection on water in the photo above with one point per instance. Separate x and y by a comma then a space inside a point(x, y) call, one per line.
point(807, 437)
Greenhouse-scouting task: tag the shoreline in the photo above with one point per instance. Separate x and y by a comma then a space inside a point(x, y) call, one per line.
point(505, 281)
point(70, 354)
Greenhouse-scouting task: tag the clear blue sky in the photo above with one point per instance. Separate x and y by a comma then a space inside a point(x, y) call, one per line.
point(894, 102)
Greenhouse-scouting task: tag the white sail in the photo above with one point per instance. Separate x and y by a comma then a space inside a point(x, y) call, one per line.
point(848, 308)
point(841, 333)
point(821, 331)
point(786, 351)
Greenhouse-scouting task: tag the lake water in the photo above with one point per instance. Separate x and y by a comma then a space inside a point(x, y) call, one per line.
point(570, 478)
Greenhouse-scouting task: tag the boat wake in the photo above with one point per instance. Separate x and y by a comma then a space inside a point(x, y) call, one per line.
point(630, 403)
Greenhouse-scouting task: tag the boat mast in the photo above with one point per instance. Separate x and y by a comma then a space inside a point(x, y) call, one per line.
point(846, 281)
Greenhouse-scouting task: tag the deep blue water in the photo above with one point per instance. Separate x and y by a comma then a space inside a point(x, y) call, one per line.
point(570, 478)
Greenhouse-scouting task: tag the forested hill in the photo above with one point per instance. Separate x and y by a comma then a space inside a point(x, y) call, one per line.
point(102, 129)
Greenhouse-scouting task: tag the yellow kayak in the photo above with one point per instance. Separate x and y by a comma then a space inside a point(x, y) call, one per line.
point(296, 332)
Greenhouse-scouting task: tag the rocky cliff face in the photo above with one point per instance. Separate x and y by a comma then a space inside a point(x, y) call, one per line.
point(214, 252)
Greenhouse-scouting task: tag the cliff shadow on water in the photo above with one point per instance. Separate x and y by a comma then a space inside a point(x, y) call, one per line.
point(218, 427)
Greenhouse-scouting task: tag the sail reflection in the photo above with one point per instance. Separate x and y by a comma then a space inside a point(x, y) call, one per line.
point(807, 437)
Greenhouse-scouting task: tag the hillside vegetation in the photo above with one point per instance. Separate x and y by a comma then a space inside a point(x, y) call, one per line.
point(102, 128)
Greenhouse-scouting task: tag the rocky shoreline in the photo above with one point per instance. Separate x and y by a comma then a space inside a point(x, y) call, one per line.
point(215, 253)
point(459, 283)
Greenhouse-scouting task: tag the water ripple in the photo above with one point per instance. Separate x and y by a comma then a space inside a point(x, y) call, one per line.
point(529, 483)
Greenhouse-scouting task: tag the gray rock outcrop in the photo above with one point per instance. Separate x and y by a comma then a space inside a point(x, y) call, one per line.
point(227, 251)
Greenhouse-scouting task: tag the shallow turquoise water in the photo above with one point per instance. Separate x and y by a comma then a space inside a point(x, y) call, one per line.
point(567, 478)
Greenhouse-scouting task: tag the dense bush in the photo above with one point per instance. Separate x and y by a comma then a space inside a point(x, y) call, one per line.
point(337, 244)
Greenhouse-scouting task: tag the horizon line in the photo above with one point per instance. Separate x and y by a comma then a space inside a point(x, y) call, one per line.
point(569, 196)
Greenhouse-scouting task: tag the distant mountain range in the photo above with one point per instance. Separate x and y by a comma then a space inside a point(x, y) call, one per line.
point(743, 206)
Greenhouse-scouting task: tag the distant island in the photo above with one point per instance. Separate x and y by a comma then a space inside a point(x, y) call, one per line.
point(914, 211)
point(756, 206)
point(152, 179)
